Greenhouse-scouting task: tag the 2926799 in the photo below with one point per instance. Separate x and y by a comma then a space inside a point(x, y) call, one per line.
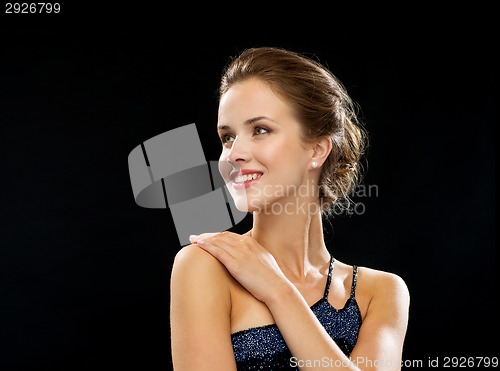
point(470, 362)
point(32, 8)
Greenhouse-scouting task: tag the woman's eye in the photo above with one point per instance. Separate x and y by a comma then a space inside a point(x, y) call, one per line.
point(227, 139)
point(259, 130)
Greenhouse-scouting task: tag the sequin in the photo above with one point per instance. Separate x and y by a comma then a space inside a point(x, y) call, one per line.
point(264, 348)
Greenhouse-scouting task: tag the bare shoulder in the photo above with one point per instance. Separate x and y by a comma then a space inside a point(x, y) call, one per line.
point(192, 254)
point(384, 289)
point(379, 280)
point(194, 262)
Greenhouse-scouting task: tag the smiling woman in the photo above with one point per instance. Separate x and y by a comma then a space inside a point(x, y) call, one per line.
point(275, 297)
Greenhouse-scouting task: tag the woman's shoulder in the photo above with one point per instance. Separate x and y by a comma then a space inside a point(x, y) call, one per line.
point(370, 279)
point(383, 285)
point(381, 278)
point(193, 254)
point(195, 264)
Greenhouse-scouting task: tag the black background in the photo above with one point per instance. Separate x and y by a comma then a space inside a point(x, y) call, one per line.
point(84, 279)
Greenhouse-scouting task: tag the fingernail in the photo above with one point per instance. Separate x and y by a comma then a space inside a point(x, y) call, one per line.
point(200, 242)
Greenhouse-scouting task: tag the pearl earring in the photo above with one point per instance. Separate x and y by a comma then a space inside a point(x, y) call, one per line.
point(314, 164)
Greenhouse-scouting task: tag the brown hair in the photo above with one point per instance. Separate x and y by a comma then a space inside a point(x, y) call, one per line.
point(320, 103)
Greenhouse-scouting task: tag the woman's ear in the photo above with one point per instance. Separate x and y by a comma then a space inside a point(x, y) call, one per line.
point(321, 150)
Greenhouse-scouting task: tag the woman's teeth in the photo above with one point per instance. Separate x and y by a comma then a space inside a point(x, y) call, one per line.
point(246, 177)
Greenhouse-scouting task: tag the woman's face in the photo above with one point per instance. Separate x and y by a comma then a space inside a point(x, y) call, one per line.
point(263, 159)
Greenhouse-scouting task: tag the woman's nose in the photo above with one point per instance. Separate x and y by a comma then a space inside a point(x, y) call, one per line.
point(239, 151)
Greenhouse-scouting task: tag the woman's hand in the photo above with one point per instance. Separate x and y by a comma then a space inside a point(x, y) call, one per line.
point(248, 261)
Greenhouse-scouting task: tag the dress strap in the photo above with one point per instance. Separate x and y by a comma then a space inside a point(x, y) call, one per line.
point(329, 278)
point(354, 279)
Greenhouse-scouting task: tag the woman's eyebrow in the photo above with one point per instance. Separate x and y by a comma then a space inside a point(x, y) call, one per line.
point(247, 122)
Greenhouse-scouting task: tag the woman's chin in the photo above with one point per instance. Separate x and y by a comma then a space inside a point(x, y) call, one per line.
point(246, 204)
point(251, 205)
point(243, 205)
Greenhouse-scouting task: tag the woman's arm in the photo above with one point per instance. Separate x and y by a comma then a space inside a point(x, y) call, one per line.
point(382, 333)
point(200, 305)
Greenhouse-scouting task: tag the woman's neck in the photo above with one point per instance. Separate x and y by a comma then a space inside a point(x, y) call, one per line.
point(294, 239)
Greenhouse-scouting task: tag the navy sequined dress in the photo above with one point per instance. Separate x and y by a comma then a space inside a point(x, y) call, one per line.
point(263, 347)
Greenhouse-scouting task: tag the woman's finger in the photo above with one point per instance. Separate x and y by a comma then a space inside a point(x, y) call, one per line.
point(226, 236)
point(195, 237)
point(217, 250)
